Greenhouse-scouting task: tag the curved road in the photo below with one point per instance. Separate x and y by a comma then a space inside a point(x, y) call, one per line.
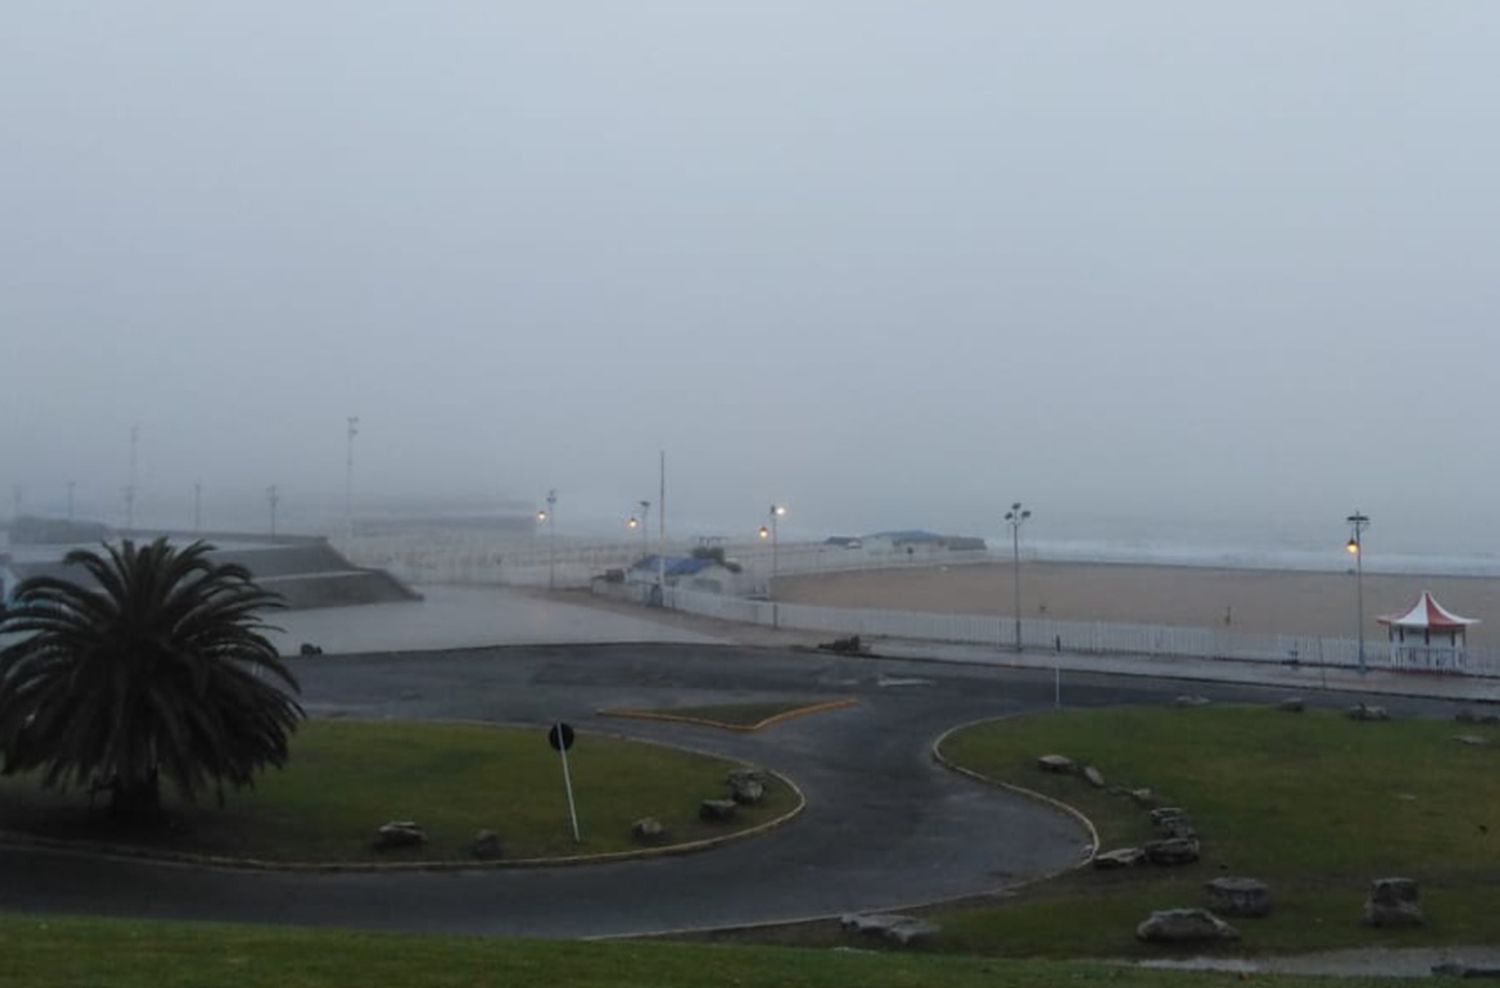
point(884, 826)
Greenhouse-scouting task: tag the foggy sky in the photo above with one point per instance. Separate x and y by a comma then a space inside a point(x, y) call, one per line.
point(1140, 264)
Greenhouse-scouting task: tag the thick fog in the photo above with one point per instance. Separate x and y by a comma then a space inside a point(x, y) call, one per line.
point(1163, 268)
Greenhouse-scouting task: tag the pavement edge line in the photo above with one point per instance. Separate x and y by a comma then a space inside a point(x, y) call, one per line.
point(671, 718)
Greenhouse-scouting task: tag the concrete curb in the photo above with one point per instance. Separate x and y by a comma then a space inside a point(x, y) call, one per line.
point(666, 717)
point(127, 852)
point(388, 653)
point(1057, 804)
point(1413, 690)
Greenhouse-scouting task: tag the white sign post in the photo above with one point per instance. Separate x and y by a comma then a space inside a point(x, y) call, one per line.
point(561, 739)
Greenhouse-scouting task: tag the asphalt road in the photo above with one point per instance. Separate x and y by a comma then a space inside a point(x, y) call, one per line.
point(884, 826)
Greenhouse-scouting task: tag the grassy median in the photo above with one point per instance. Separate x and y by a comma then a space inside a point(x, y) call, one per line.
point(1315, 804)
point(38, 952)
point(346, 778)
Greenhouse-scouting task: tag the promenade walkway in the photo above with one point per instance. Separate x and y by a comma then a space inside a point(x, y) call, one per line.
point(1293, 677)
point(1301, 677)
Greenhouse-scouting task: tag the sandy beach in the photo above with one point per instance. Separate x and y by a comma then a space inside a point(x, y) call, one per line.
point(1241, 599)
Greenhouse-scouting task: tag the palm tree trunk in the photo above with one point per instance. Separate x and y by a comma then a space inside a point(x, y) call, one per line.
point(136, 799)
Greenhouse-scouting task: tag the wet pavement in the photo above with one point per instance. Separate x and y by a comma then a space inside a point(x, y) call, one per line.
point(466, 617)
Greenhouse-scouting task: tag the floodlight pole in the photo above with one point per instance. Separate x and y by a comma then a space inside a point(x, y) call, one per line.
point(775, 548)
point(1358, 522)
point(661, 530)
point(1016, 517)
point(135, 438)
point(353, 430)
point(645, 529)
point(772, 532)
point(551, 515)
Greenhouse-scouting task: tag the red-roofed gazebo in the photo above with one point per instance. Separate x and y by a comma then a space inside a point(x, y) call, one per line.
point(1428, 636)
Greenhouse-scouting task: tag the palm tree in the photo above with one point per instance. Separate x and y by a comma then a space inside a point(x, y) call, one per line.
point(157, 669)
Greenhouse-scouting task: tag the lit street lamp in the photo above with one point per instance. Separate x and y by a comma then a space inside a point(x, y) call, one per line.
point(642, 522)
point(548, 515)
point(1016, 517)
point(1356, 546)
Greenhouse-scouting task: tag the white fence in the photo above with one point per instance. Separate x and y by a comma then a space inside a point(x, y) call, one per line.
point(1095, 637)
point(466, 558)
point(437, 558)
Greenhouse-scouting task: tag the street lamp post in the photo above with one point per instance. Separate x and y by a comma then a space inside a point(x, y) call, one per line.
point(642, 522)
point(1016, 517)
point(549, 515)
point(1356, 545)
point(273, 499)
point(771, 532)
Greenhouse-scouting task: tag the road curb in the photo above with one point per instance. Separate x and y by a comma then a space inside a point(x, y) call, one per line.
point(128, 852)
point(1057, 804)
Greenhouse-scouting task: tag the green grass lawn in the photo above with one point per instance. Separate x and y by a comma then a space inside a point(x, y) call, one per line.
point(736, 716)
point(347, 778)
point(1315, 804)
point(38, 952)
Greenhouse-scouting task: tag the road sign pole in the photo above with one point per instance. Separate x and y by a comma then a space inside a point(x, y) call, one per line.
point(572, 810)
point(560, 737)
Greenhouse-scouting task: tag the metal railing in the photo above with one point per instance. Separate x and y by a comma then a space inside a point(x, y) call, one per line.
point(466, 558)
point(1093, 637)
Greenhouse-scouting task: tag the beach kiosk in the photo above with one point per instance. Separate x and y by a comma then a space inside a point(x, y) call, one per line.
point(1428, 638)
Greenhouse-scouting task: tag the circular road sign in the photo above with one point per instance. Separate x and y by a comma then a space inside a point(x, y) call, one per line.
point(560, 737)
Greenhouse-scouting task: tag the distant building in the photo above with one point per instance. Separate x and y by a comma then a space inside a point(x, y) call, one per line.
point(914, 542)
point(1428, 637)
point(32, 530)
point(686, 572)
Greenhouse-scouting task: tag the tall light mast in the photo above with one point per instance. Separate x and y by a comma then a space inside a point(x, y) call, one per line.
point(353, 422)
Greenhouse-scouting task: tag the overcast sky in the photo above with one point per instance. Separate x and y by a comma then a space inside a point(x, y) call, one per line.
point(1144, 265)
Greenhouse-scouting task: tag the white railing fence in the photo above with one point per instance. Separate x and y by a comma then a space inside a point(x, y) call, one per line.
point(1095, 637)
point(466, 558)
